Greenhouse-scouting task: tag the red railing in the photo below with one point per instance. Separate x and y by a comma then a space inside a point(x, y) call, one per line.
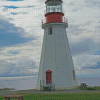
point(64, 20)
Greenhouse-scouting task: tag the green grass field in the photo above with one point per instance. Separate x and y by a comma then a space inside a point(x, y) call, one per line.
point(77, 96)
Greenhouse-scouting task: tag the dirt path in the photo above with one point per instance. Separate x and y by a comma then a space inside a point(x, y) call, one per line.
point(6, 92)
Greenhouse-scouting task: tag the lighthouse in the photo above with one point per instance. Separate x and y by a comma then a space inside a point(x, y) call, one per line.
point(56, 70)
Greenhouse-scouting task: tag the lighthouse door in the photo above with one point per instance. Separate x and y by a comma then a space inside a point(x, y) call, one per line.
point(48, 76)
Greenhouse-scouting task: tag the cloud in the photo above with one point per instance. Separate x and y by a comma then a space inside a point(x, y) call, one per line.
point(23, 67)
point(97, 53)
point(13, 52)
point(25, 21)
point(80, 48)
point(15, 0)
point(85, 64)
point(10, 35)
point(92, 3)
point(20, 60)
point(93, 67)
point(89, 73)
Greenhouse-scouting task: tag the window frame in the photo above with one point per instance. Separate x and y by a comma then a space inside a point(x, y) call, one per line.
point(50, 31)
point(73, 72)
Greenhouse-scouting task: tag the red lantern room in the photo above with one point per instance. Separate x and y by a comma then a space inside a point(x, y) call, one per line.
point(54, 11)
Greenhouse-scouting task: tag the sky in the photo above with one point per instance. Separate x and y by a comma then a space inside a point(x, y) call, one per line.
point(21, 36)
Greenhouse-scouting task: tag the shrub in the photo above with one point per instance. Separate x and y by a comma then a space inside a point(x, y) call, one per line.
point(91, 88)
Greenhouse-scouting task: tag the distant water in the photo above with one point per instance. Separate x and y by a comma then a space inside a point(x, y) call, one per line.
point(25, 83)
point(19, 83)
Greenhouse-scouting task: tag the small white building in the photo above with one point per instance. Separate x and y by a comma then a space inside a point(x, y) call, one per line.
point(56, 69)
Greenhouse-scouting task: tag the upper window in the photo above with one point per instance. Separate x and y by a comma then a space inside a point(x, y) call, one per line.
point(50, 31)
point(73, 74)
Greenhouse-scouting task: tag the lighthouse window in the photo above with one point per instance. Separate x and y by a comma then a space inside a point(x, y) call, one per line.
point(53, 6)
point(73, 72)
point(50, 31)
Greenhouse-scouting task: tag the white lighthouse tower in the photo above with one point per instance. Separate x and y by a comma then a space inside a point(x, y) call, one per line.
point(56, 69)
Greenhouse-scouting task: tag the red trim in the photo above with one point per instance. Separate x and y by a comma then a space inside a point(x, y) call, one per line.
point(49, 0)
point(54, 17)
point(54, 13)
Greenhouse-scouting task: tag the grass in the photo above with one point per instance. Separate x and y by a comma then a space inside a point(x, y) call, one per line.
point(1, 98)
point(97, 87)
point(63, 96)
point(77, 96)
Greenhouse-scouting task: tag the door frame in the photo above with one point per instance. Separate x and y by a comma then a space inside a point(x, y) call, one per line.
point(48, 81)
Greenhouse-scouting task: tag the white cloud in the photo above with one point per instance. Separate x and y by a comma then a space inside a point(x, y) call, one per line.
point(25, 62)
point(87, 60)
point(83, 64)
point(21, 3)
point(89, 73)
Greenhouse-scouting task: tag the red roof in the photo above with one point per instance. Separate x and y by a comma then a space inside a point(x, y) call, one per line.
point(14, 96)
point(48, 0)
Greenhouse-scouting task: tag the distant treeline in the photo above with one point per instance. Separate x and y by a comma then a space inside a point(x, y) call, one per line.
point(7, 89)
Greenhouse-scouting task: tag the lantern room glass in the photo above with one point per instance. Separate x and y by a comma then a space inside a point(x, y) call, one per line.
point(53, 6)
